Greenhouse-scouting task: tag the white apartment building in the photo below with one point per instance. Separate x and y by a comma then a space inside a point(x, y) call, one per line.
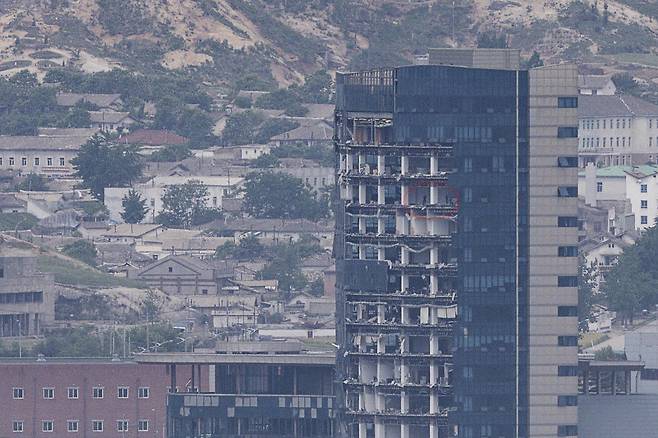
point(617, 130)
point(44, 155)
point(638, 184)
point(152, 191)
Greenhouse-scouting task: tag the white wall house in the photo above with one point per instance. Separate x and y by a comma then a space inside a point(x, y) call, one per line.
point(50, 156)
point(152, 191)
point(596, 85)
point(638, 184)
point(617, 130)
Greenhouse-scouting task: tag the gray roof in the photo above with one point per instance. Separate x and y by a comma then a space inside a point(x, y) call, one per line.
point(593, 82)
point(320, 131)
point(67, 132)
point(613, 106)
point(108, 116)
point(100, 100)
point(19, 143)
point(268, 225)
point(11, 201)
point(621, 416)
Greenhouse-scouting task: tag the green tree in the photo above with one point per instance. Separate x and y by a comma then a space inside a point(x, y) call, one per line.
point(82, 250)
point(185, 205)
point(625, 82)
point(101, 163)
point(317, 88)
point(265, 161)
point(278, 195)
point(285, 268)
point(491, 40)
point(33, 182)
point(534, 61)
point(242, 128)
point(134, 207)
point(76, 118)
point(170, 153)
point(586, 285)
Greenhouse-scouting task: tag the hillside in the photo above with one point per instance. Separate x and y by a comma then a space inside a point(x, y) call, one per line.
point(280, 41)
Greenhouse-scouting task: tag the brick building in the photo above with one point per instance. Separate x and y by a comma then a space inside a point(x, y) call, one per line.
point(84, 398)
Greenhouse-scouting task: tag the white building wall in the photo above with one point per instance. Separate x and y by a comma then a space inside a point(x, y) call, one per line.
point(55, 162)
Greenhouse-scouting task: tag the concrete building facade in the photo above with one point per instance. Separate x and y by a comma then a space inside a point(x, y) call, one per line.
point(458, 185)
point(27, 297)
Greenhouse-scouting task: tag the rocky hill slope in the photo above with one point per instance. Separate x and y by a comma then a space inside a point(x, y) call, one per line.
point(280, 41)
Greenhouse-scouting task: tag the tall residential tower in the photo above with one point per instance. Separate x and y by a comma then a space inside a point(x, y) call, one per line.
point(456, 248)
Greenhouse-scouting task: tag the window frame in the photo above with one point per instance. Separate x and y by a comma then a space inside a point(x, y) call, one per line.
point(101, 391)
point(22, 393)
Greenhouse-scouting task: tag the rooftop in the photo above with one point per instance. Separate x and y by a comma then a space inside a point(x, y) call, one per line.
point(67, 132)
point(13, 143)
point(280, 225)
point(108, 116)
point(613, 106)
point(320, 131)
point(594, 82)
point(131, 230)
point(100, 100)
point(153, 137)
point(641, 171)
point(310, 359)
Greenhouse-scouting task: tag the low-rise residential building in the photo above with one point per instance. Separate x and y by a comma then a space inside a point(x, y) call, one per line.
point(316, 176)
point(269, 389)
point(152, 140)
point(596, 85)
point(49, 397)
point(273, 230)
point(243, 152)
point(111, 121)
point(50, 156)
point(131, 233)
point(102, 101)
point(617, 130)
point(318, 134)
point(152, 191)
point(184, 275)
point(27, 297)
point(9, 203)
point(637, 184)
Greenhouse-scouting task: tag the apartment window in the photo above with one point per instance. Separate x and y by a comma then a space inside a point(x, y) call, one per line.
point(36, 161)
point(604, 120)
point(97, 392)
point(468, 255)
point(170, 269)
point(604, 139)
point(570, 430)
point(143, 392)
point(72, 392)
point(650, 123)
point(72, 425)
point(49, 161)
point(567, 370)
point(48, 393)
point(62, 162)
point(644, 220)
point(0, 161)
point(468, 194)
point(122, 392)
point(143, 425)
point(23, 161)
point(644, 203)
point(97, 426)
point(567, 192)
point(599, 187)
point(122, 425)
point(567, 221)
point(623, 142)
point(567, 341)
point(567, 400)
point(643, 188)
point(567, 102)
point(17, 426)
point(567, 251)
point(11, 161)
point(18, 393)
point(567, 281)
point(617, 142)
point(214, 201)
point(617, 123)
point(567, 162)
point(468, 165)
point(47, 426)
point(650, 141)
point(597, 125)
point(567, 132)
point(567, 311)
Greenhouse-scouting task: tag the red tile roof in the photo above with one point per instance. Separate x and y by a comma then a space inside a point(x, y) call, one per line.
point(153, 137)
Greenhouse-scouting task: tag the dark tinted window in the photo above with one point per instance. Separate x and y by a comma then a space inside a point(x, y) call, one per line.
point(567, 281)
point(567, 132)
point(567, 311)
point(567, 400)
point(567, 370)
point(567, 102)
point(567, 221)
point(567, 251)
point(567, 341)
point(567, 161)
point(567, 430)
point(567, 192)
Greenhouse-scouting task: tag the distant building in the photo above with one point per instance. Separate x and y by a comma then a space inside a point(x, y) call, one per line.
point(318, 134)
point(596, 85)
point(183, 275)
point(111, 121)
point(637, 184)
point(131, 233)
point(268, 389)
point(152, 191)
point(27, 297)
point(85, 397)
point(50, 156)
point(617, 130)
point(102, 101)
point(272, 230)
point(316, 176)
point(151, 140)
point(9, 203)
point(244, 152)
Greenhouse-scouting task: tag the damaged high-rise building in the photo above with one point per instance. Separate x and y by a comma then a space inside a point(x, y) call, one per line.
point(456, 236)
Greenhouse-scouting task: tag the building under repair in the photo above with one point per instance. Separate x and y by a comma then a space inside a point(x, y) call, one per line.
point(457, 190)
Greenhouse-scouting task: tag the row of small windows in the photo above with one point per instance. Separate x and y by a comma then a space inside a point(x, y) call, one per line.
point(37, 161)
point(567, 192)
point(605, 123)
point(567, 400)
point(567, 221)
point(567, 132)
point(595, 142)
point(18, 426)
point(567, 161)
point(567, 102)
point(21, 297)
point(74, 392)
point(567, 281)
point(567, 341)
point(567, 430)
point(567, 251)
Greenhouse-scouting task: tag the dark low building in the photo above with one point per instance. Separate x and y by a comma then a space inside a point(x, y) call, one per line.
point(256, 389)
